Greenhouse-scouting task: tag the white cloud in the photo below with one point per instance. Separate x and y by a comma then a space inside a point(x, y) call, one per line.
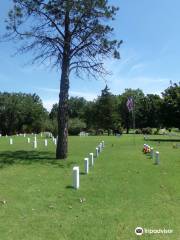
point(88, 96)
point(48, 104)
point(137, 67)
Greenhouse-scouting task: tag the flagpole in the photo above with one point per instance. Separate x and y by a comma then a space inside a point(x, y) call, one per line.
point(133, 118)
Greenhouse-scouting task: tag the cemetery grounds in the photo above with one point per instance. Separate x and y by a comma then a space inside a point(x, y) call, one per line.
point(123, 190)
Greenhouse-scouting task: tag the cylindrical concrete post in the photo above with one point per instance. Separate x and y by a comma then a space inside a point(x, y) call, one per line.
point(45, 142)
point(28, 140)
point(86, 165)
point(76, 177)
point(157, 158)
point(10, 141)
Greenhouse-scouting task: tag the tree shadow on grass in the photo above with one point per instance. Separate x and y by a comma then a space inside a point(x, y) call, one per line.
point(69, 187)
point(164, 140)
point(29, 157)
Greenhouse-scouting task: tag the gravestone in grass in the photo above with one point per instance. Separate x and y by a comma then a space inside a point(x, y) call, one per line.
point(86, 165)
point(45, 142)
point(97, 152)
point(157, 161)
point(76, 177)
point(91, 157)
point(10, 141)
point(152, 152)
point(28, 140)
point(35, 144)
point(101, 147)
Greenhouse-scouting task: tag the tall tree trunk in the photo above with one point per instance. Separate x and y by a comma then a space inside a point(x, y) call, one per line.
point(62, 143)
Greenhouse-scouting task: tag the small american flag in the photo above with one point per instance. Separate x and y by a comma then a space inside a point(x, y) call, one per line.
point(130, 104)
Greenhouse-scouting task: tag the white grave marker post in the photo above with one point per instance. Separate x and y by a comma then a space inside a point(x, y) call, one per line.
point(35, 138)
point(45, 142)
point(99, 148)
point(152, 152)
point(86, 165)
point(35, 144)
point(28, 140)
point(55, 141)
point(157, 158)
point(91, 158)
point(41, 134)
point(10, 141)
point(97, 152)
point(103, 144)
point(24, 135)
point(76, 177)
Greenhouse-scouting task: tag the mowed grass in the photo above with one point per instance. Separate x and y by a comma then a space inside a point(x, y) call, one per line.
point(123, 190)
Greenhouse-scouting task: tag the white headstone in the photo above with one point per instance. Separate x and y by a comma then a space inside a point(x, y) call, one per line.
point(24, 135)
point(45, 142)
point(157, 158)
point(10, 141)
point(41, 135)
point(100, 145)
point(28, 140)
point(86, 165)
point(91, 156)
point(55, 141)
point(97, 152)
point(152, 152)
point(103, 144)
point(76, 177)
point(35, 138)
point(35, 144)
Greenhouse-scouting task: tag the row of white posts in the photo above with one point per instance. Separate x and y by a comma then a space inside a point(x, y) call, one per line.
point(88, 162)
point(157, 159)
point(35, 141)
point(48, 134)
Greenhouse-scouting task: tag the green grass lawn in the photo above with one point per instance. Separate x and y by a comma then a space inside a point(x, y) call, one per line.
point(123, 190)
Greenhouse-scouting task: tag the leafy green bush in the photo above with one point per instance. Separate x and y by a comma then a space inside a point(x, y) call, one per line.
point(138, 131)
point(76, 125)
point(91, 132)
point(156, 132)
point(147, 130)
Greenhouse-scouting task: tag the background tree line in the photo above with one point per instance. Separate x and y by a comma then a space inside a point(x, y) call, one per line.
point(25, 112)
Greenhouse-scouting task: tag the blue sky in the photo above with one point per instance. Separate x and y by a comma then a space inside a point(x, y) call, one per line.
point(149, 56)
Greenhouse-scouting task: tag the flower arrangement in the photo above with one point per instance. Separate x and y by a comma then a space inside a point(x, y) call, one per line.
point(146, 149)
